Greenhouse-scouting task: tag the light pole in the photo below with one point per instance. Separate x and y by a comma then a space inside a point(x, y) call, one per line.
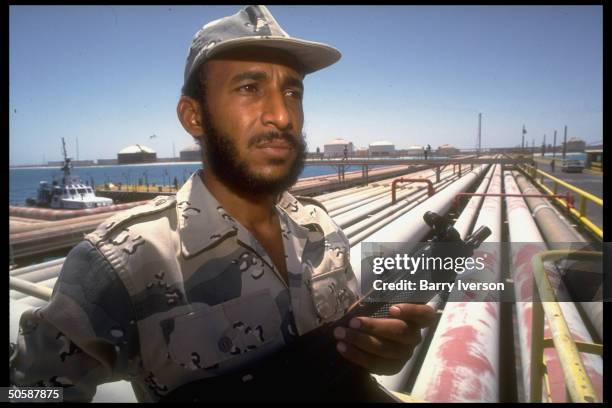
point(554, 146)
point(564, 143)
point(479, 139)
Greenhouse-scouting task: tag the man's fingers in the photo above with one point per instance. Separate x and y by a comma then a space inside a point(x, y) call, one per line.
point(421, 315)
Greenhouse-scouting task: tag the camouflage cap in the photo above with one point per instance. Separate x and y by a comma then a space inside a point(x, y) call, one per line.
point(255, 26)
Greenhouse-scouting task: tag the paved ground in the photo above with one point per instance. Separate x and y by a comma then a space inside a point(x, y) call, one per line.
point(587, 181)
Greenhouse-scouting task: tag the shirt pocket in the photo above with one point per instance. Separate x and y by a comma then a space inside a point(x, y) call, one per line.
point(205, 338)
point(331, 294)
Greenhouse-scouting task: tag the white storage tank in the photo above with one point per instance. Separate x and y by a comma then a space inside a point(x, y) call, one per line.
point(335, 148)
point(381, 148)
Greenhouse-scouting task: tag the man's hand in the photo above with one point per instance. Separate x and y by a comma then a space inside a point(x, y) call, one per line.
point(383, 345)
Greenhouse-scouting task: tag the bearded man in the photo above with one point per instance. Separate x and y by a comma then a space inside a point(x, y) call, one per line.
point(234, 267)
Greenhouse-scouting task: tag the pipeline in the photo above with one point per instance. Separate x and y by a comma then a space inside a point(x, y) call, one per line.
point(526, 242)
point(439, 203)
point(348, 202)
point(398, 382)
point(410, 227)
point(41, 274)
point(361, 230)
point(462, 363)
point(52, 238)
point(48, 224)
point(358, 214)
point(52, 214)
point(465, 221)
point(31, 268)
point(556, 230)
point(323, 198)
point(25, 288)
point(351, 197)
point(353, 178)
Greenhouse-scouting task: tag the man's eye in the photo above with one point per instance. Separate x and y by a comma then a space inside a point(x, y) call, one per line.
point(295, 93)
point(248, 88)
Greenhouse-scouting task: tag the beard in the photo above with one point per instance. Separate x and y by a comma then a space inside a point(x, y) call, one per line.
point(224, 160)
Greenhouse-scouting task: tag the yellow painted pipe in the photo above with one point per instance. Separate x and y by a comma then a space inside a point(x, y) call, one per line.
point(577, 382)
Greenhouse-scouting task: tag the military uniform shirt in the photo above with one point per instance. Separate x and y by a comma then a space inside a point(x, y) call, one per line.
point(177, 290)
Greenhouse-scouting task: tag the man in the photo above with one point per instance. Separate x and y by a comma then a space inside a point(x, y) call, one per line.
point(234, 267)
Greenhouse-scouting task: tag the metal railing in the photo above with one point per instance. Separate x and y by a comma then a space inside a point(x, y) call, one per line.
point(137, 188)
point(578, 384)
point(580, 212)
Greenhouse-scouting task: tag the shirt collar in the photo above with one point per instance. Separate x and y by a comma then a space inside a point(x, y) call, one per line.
point(203, 222)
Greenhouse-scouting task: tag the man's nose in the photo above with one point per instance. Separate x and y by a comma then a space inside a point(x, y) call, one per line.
point(276, 113)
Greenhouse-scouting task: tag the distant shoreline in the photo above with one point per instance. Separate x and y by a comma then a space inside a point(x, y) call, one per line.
point(32, 166)
point(178, 162)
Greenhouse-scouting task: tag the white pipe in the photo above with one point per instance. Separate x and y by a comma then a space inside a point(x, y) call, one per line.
point(462, 363)
point(26, 288)
point(383, 185)
point(464, 222)
point(330, 196)
point(397, 381)
point(411, 227)
point(364, 228)
point(42, 273)
point(557, 231)
point(359, 211)
point(526, 242)
point(358, 214)
point(31, 268)
point(346, 203)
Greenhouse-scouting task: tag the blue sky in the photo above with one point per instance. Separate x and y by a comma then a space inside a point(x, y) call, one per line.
point(111, 75)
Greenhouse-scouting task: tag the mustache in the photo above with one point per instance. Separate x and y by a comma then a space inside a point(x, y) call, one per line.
point(289, 138)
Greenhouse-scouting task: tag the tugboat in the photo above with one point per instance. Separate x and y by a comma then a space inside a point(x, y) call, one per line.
point(69, 192)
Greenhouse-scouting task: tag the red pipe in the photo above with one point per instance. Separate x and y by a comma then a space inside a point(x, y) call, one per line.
point(569, 199)
point(430, 187)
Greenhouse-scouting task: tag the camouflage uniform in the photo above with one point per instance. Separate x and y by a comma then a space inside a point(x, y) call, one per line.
point(177, 290)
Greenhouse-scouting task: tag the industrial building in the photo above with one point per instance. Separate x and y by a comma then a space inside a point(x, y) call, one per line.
point(191, 153)
point(575, 145)
point(414, 150)
point(335, 148)
point(447, 150)
point(381, 148)
point(361, 152)
point(136, 154)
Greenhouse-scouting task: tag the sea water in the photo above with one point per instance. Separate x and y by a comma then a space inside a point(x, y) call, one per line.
point(24, 182)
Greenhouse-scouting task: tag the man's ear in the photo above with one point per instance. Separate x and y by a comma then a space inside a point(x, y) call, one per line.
point(188, 112)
